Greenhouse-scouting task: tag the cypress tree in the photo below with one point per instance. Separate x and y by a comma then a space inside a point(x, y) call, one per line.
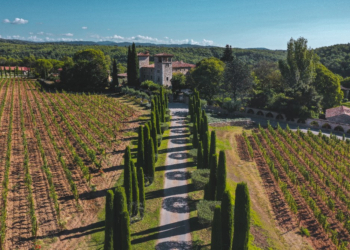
point(114, 75)
point(134, 67)
point(155, 144)
point(140, 148)
point(128, 67)
point(221, 176)
point(135, 191)
point(125, 225)
point(207, 192)
point(212, 143)
point(216, 236)
point(120, 207)
point(213, 177)
point(195, 136)
point(142, 198)
point(109, 221)
point(128, 177)
point(146, 138)
point(150, 163)
point(227, 221)
point(241, 217)
point(200, 163)
point(206, 150)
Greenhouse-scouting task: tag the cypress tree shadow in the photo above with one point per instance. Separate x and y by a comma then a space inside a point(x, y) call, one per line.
point(178, 175)
point(176, 205)
point(184, 189)
point(180, 141)
point(179, 156)
point(180, 131)
point(175, 166)
point(183, 245)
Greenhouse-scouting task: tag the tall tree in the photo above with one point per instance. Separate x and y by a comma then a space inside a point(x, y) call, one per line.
point(213, 177)
point(299, 72)
point(128, 67)
point(146, 138)
point(125, 224)
point(216, 234)
point(221, 176)
point(140, 148)
point(212, 144)
point(133, 67)
point(241, 217)
point(128, 178)
point(227, 221)
point(178, 82)
point(120, 206)
point(135, 191)
point(228, 54)
point(115, 82)
point(207, 77)
point(200, 159)
point(141, 183)
point(238, 79)
point(150, 158)
point(109, 220)
point(206, 150)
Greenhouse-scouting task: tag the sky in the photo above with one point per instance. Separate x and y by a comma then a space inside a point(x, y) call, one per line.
point(242, 24)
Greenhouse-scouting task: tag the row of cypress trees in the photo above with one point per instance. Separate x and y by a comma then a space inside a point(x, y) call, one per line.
point(133, 70)
point(231, 224)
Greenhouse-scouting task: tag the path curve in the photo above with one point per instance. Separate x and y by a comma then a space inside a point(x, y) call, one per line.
point(175, 213)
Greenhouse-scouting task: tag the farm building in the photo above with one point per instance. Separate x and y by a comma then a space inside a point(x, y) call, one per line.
point(339, 114)
point(20, 69)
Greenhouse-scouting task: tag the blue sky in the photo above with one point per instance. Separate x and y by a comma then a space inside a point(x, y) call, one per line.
point(243, 24)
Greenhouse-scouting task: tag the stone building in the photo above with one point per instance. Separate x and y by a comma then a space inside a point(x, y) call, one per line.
point(163, 68)
point(339, 114)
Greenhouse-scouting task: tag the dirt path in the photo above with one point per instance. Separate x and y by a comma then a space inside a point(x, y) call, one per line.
point(174, 230)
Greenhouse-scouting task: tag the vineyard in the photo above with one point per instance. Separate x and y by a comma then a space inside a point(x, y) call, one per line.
point(59, 153)
point(307, 178)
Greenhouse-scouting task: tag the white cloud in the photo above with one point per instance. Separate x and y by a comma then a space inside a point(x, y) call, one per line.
point(67, 34)
point(84, 28)
point(35, 39)
point(19, 21)
point(6, 21)
point(31, 33)
point(40, 33)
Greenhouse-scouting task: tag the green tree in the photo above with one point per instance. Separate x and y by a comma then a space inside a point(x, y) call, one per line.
point(125, 225)
point(200, 159)
point(227, 221)
point(221, 176)
point(88, 73)
point(140, 148)
point(237, 79)
point(328, 86)
point(241, 217)
point(212, 144)
point(43, 67)
point(133, 68)
point(299, 72)
point(120, 206)
point(227, 57)
point(207, 77)
point(178, 82)
point(150, 158)
point(146, 138)
point(206, 150)
point(141, 182)
point(109, 220)
point(115, 82)
point(213, 176)
point(216, 234)
point(135, 191)
point(195, 136)
point(128, 178)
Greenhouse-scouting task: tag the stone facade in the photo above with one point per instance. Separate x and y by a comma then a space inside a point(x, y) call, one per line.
point(162, 70)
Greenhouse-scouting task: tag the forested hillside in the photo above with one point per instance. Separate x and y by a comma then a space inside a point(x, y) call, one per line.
point(20, 49)
point(336, 58)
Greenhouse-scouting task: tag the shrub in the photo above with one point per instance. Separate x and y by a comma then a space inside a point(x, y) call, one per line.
point(200, 177)
point(204, 103)
point(206, 211)
point(304, 232)
point(167, 118)
point(159, 139)
point(193, 154)
point(164, 126)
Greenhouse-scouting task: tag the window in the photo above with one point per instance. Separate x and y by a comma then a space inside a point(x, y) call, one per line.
point(167, 78)
point(159, 59)
point(158, 79)
point(158, 71)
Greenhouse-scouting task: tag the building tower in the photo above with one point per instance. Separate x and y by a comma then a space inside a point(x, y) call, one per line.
point(163, 70)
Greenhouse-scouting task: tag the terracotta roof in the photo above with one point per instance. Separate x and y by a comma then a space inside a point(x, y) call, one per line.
point(181, 64)
point(143, 54)
point(341, 110)
point(148, 66)
point(13, 68)
point(163, 54)
point(123, 75)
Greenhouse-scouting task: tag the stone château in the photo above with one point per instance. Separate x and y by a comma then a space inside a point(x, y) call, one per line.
point(163, 68)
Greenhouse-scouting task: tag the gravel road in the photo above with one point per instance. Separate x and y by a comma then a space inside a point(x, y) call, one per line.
point(174, 222)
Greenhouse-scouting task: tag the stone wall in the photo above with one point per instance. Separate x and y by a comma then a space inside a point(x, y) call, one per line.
point(167, 74)
point(143, 61)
